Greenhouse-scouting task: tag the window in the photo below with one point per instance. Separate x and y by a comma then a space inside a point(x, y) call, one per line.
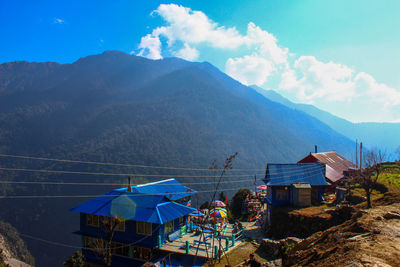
point(181, 221)
point(120, 249)
point(120, 227)
point(169, 227)
point(92, 220)
point(141, 253)
point(143, 228)
point(92, 242)
point(281, 195)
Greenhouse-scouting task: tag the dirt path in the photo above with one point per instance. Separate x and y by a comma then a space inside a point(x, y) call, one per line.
point(253, 231)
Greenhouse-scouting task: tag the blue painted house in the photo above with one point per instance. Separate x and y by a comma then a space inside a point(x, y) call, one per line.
point(297, 184)
point(149, 216)
point(283, 179)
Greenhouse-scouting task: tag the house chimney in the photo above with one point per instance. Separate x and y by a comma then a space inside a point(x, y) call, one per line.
point(129, 184)
point(316, 149)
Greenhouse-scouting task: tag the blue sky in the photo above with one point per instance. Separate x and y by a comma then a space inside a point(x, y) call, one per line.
point(342, 56)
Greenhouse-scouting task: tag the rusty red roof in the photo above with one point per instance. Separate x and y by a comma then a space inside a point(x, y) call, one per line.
point(335, 164)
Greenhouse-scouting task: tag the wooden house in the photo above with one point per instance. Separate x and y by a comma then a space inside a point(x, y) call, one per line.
point(148, 215)
point(297, 184)
point(283, 179)
point(335, 166)
point(301, 194)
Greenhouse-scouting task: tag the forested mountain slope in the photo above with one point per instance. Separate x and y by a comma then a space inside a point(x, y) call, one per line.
point(121, 108)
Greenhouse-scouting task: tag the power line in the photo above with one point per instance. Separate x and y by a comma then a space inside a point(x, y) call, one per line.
point(114, 174)
point(287, 170)
point(120, 184)
point(116, 164)
point(93, 196)
point(316, 171)
point(78, 247)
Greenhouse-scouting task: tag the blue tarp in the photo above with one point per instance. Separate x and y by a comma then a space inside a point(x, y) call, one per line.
point(171, 188)
point(287, 174)
point(132, 206)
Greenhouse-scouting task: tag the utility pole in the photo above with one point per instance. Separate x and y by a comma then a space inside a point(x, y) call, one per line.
point(360, 155)
point(255, 183)
point(356, 153)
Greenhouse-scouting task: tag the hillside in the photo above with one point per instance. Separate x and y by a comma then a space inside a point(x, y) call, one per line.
point(373, 134)
point(13, 250)
point(121, 108)
point(370, 239)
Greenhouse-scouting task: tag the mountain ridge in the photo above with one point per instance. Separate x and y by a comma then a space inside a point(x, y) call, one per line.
point(121, 108)
point(379, 135)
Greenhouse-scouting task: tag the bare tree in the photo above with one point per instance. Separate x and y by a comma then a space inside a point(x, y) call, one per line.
point(368, 176)
point(398, 154)
point(108, 226)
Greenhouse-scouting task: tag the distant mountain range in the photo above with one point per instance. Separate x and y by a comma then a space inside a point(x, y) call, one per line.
point(121, 108)
point(380, 135)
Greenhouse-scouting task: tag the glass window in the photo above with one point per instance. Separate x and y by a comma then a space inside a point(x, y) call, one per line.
point(120, 249)
point(92, 242)
point(120, 227)
point(281, 195)
point(141, 253)
point(181, 221)
point(92, 220)
point(146, 253)
point(169, 227)
point(144, 228)
point(136, 252)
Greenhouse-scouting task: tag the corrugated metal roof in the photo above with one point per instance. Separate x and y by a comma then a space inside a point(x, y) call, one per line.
point(132, 206)
point(287, 174)
point(336, 164)
point(301, 185)
point(171, 188)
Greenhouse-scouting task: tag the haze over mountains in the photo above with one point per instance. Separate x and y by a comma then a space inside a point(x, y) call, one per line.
point(380, 135)
point(121, 108)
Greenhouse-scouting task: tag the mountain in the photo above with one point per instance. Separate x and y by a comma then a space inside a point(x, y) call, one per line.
point(121, 108)
point(381, 135)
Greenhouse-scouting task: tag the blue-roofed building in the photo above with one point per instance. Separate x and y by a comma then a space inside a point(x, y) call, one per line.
point(148, 217)
point(171, 188)
point(297, 184)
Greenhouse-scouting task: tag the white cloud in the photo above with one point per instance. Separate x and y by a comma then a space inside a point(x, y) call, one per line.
point(194, 27)
point(380, 93)
point(187, 52)
point(267, 57)
point(58, 21)
point(263, 61)
point(266, 44)
point(190, 28)
point(318, 80)
point(252, 69)
point(150, 47)
point(312, 81)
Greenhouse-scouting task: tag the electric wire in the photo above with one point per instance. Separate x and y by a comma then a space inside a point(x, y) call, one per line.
point(79, 247)
point(287, 171)
point(115, 164)
point(112, 174)
point(111, 184)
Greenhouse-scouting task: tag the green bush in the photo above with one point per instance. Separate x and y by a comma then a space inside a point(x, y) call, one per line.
point(77, 260)
point(237, 202)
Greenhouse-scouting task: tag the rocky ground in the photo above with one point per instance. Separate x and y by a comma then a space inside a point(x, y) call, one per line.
point(370, 238)
point(9, 259)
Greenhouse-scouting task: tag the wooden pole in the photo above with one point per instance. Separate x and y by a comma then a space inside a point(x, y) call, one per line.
point(360, 155)
point(356, 153)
